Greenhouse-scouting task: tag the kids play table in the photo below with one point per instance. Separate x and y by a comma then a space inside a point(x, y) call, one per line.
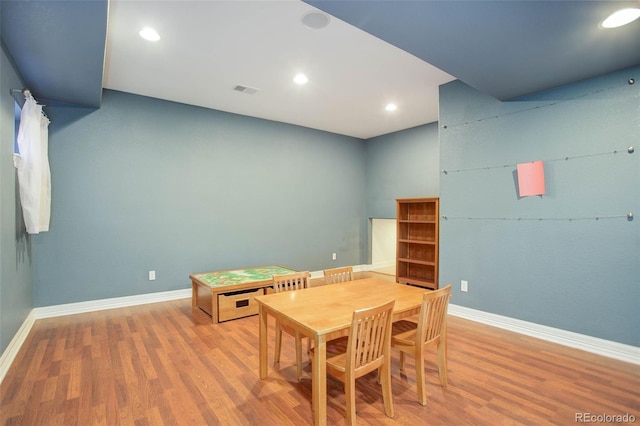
point(227, 295)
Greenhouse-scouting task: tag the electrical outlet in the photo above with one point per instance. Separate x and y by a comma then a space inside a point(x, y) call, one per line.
point(334, 256)
point(152, 275)
point(464, 286)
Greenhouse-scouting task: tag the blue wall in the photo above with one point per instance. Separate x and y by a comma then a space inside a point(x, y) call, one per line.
point(143, 184)
point(581, 275)
point(16, 280)
point(399, 165)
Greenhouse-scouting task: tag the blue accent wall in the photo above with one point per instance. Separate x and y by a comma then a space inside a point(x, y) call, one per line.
point(143, 184)
point(16, 279)
point(581, 275)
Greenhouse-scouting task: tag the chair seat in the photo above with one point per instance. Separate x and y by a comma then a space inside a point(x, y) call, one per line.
point(337, 353)
point(404, 332)
point(338, 362)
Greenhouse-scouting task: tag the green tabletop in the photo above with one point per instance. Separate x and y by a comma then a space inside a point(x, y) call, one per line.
point(240, 276)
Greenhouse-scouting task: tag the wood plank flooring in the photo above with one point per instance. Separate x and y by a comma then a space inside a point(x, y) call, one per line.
point(165, 364)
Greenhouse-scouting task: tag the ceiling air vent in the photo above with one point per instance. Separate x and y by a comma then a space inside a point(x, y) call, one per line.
point(245, 89)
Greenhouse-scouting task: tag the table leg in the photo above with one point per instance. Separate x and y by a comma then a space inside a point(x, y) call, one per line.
point(194, 295)
point(319, 381)
point(264, 366)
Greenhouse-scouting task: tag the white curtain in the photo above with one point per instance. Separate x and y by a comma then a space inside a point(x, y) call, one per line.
point(32, 162)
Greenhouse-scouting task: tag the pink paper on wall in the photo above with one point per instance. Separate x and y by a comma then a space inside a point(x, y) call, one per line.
point(531, 178)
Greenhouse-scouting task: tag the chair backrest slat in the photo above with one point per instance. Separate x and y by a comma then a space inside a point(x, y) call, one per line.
point(338, 275)
point(433, 314)
point(289, 282)
point(370, 336)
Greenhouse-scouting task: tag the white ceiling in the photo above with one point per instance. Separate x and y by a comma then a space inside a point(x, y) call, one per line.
point(209, 47)
point(67, 51)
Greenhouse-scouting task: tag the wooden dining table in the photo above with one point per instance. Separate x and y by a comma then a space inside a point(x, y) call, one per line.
point(324, 313)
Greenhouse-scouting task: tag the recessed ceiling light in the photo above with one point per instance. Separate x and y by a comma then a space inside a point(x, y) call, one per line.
point(391, 107)
point(149, 34)
point(300, 79)
point(621, 17)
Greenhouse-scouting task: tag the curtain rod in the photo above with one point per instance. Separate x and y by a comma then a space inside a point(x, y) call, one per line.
point(25, 91)
point(27, 94)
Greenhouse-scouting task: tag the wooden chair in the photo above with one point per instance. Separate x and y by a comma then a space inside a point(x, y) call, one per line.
point(338, 275)
point(367, 349)
point(431, 329)
point(290, 282)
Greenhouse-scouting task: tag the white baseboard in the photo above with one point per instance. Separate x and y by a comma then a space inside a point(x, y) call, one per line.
point(116, 302)
point(379, 265)
point(16, 343)
point(586, 343)
point(594, 345)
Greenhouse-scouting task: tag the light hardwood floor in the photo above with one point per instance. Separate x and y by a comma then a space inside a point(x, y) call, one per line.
point(166, 364)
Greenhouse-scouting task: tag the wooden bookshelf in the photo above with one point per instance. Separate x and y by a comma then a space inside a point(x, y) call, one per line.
point(418, 238)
